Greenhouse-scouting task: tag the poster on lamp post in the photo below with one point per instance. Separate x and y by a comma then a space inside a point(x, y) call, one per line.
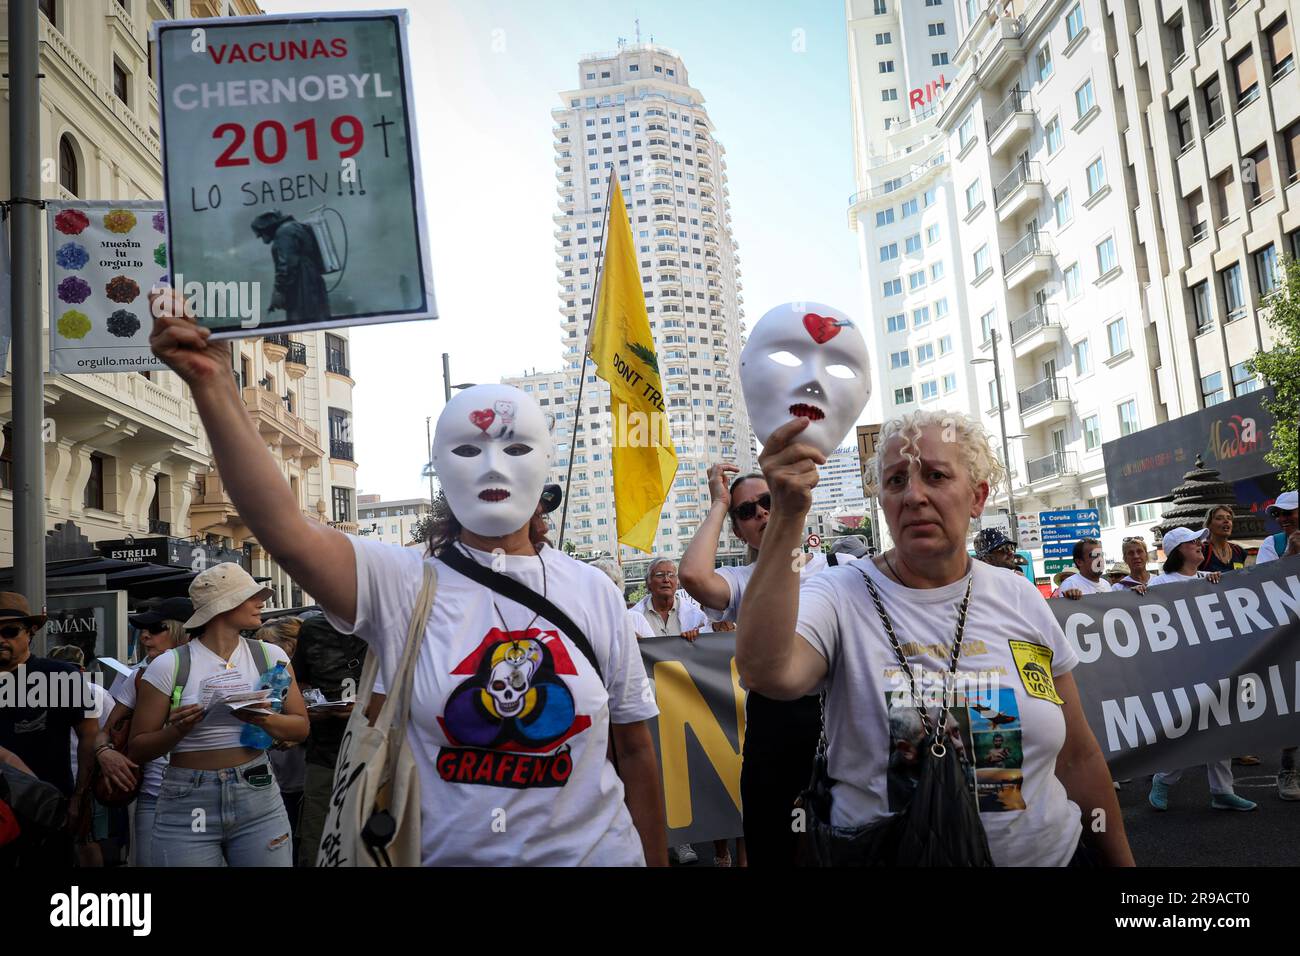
point(103, 258)
point(291, 172)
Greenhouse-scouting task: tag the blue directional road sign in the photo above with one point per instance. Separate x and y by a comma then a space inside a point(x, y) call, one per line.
point(1088, 516)
point(1070, 532)
point(1058, 550)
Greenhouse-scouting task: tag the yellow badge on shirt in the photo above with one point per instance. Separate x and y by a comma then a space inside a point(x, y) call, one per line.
point(1034, 662)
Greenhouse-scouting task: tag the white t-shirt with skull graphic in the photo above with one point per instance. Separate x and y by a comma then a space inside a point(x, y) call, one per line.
point(510, 723)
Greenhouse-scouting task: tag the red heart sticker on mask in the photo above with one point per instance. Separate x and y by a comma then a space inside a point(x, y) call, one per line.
point(822, 328)
point(483, 418)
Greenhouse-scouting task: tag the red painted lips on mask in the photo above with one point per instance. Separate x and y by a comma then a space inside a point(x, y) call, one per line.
point(810, 412)
point(822, 328)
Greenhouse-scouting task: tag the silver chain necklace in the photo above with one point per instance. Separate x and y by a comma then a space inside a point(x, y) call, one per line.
point(504, 626)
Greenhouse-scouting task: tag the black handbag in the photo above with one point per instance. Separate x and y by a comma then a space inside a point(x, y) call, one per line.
point(940, 825)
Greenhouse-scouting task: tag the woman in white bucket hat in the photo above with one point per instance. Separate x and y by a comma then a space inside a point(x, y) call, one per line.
point(180, 712)
point(1184, 550)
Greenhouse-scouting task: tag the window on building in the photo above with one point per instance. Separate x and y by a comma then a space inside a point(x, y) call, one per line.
point(936, 271)
point(884, 216)
point(1053, 135)
point(1062, 208)
point(966, 131)
point(892, 287)
point(1177, 31)
point(886, 66)
point(1234, 294)
point(930, 198)
point(903, 396)
point(1117, 336)
point(1281, 50)
point(1201, 306)
point(931, 234)
point(69, 177)
point(1100, 505)
point(949, 383)
point(1268, 275)
point(929, 390)
point(1183, 124)
point(883, 38)
point(121, 82)
point(1212, 391)
point(1084, 100)
point(342, 499)
point(1128, 417)
point(1043, 62)
point(912, 244)
point(336, 354)
point(940, 308)
point(1257, 173)
point(7, 455)
point(901, 359)
point(47, 8)
point(936, 29)
point(981, 260)
point(1091, 433)
point(1291, 150)
point(986, 326)
point(93, 496)
point(925, 353)
point(1141, 514)
point(879, 8)
point(1212, 97)
point(1081, 353)
point(909, 208)
point(1223, 196)
point(896, 323)
point(1247, 80)
point(1242, 381)
point(1096, 173)
point(945, 344)
point(916, 280)
point(938, 59)
point(1107, 260)
point(1074, 22)
point(974, 195)
point(889, 252)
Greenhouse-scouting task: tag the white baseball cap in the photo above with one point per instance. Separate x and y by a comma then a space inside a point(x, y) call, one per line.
point(1176, 536)
point(1286, 501)
point(221, 588)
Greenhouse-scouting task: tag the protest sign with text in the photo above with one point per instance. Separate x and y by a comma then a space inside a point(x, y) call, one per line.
point(291, 171)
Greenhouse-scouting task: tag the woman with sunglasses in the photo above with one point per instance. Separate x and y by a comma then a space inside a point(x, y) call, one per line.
point(780, 736)
point(160, 630)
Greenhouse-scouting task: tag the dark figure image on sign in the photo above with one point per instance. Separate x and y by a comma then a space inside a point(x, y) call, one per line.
point(299, 267)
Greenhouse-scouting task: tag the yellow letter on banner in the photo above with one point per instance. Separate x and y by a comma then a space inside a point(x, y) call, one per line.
point(681, 705)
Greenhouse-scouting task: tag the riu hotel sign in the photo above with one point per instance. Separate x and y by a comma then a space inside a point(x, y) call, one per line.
point(923, 95)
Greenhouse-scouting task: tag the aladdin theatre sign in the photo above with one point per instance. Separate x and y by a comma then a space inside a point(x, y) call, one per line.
point(1231, 437)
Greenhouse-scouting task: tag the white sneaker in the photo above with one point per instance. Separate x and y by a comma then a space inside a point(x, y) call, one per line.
point(685, 853)
point(1288, 784)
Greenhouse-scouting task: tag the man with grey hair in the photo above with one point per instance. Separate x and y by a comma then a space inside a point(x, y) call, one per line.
point(666, 610)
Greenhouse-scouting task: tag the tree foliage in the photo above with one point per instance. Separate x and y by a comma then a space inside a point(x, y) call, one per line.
point(420, 530)
point(1279, 367)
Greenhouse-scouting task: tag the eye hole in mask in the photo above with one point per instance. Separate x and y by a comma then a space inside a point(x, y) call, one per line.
point(516, 450)
point(788, 359)
point(467, 451)
point(841, 371)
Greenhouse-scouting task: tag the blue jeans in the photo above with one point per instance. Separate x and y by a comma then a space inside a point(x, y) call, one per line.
point(145, 807)
point(221, 818)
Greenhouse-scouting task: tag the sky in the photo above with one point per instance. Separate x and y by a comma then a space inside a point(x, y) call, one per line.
point(486, 75)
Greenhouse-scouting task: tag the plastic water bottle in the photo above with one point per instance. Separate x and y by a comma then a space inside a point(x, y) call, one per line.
point(278, 680)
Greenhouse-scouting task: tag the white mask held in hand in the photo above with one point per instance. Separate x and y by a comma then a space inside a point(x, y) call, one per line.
point(492, 451)
point(805, 360)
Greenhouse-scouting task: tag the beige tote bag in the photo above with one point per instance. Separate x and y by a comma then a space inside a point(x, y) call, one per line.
point(373, 818)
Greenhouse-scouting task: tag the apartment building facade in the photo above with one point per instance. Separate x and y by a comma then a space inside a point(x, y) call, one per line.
point(392, 522)
point(635, 112)
point(125, 454)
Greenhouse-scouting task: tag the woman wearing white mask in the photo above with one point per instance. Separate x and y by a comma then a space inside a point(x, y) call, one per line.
point(511, 717)
point(1184, 552)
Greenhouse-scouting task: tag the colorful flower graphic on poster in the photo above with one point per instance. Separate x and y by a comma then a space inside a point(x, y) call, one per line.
point(102, 265)
point(291, 171)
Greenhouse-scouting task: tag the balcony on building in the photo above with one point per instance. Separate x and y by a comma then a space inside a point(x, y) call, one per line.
point(997, 45)
point(1021, 188)
point(275, 347)
point(1051, 471)
point(1037, 329)
point(295, 362)
point(1010, 123)
point(281, 428)
point(1029, 258)
point(1044, 402)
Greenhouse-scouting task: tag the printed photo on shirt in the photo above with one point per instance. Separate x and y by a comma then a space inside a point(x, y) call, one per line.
point(999, 754)
point(508, 722)
point(909, 744)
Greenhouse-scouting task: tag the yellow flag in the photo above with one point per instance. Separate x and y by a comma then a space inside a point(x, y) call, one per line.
point(623, 351)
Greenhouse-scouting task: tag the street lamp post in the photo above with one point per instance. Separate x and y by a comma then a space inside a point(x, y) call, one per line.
point(1002, 423)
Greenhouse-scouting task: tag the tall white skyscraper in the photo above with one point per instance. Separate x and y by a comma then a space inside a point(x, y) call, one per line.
point(635, 112)
point(904, 211)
